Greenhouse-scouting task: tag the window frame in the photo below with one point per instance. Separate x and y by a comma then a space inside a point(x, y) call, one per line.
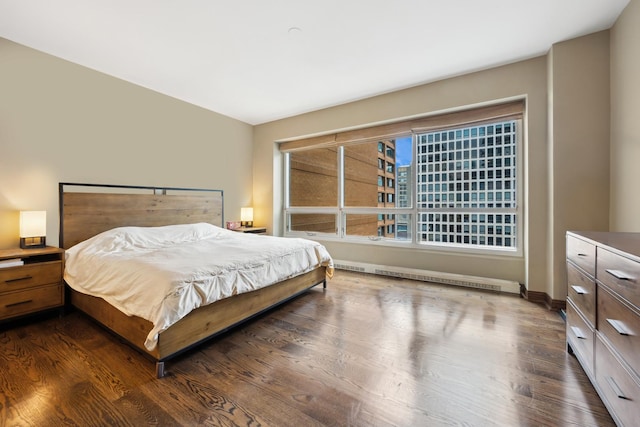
point(342, 211)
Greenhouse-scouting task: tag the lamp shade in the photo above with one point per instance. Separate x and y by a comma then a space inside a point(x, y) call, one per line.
point(246, 214)
point(246, 217)
point(33, 229)
point(33, 223)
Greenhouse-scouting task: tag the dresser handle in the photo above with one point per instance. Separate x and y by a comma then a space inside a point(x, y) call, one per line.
point(618, 326)
point(583, 254)
point(620, 275)
point(578, 333)
point(616, 389)
point(18, 279)
point(18, 303)
point(579, 289)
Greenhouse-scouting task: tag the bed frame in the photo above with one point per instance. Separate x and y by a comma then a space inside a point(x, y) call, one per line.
point(89, 209)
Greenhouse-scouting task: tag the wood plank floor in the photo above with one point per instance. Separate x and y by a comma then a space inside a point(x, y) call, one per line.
point(367, 351)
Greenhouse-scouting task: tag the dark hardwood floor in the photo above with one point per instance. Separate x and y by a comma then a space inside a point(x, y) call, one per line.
point(367, 351)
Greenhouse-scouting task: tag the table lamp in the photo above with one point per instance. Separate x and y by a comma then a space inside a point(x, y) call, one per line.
point(246, 217)
point(33, 229)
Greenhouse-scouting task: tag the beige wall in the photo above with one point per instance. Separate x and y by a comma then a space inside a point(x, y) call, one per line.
point(625, 120)
point(578, 145)
point(64, 122)
point(526, 78)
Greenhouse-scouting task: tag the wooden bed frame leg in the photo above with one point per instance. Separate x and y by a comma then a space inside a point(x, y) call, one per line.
point(159, 369)
point(324, 284)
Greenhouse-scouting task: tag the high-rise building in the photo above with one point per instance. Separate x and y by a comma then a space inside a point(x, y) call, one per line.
point(467, 185)
point(386, 226)
point(403, 192)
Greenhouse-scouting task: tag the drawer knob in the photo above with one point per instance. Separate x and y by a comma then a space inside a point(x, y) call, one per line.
point(579, 289)
point(618, 326)
point(620, 275)
point(616, 389)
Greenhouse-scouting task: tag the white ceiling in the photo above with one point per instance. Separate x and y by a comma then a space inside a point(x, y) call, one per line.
point(241, 58)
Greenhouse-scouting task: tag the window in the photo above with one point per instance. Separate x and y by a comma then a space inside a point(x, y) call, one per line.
point(472, 169)
point(391, 152)
point(390, 167)
point(447, 181)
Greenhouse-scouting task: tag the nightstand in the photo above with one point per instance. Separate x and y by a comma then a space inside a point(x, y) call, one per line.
point(252, 230)
point(30, 281)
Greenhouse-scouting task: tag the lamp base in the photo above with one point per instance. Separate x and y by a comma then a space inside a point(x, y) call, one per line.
point(246, 224)
point(33, 242)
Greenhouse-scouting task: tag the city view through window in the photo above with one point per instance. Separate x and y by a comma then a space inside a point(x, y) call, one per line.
point(447, 187)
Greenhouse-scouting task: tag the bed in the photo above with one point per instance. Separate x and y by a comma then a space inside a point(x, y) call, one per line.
point(95, 219)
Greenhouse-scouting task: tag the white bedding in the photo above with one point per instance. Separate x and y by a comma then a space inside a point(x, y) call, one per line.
point(162, 273)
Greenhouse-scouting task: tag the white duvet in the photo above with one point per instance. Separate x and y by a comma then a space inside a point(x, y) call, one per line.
point(162, 273)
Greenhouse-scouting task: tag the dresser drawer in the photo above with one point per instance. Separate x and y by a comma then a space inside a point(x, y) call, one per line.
point(580, 337)
point(582, 292)
point(620, 274)
point(620, 326)
point(30, 300)
point(582, 253)
point(29, 276)
point(617, 387)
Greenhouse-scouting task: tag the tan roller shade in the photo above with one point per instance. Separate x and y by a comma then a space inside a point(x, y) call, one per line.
point(504, 111)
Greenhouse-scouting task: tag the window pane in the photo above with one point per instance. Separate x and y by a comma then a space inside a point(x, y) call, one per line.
point(363, 225)
point(319, 223)
point(363, 176)
point(313, 177)
point(465, 228)
point(468, 180)
point(396, 227)
point(374, 178)
point(403, 175)
point(488, 183)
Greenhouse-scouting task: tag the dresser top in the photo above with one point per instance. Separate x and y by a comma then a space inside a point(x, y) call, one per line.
point(625, 244)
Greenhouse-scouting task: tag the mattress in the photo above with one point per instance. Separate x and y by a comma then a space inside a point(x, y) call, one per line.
point(162, 273)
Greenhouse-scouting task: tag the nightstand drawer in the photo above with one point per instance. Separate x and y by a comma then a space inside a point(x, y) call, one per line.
point(582, 253)
point(30, 300)
point(582, 291)
point(29, 276)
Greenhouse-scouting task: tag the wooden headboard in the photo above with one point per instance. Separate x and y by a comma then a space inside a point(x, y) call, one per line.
point(90, 209)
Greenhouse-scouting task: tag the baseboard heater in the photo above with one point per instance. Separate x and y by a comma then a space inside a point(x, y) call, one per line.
point(498, 285)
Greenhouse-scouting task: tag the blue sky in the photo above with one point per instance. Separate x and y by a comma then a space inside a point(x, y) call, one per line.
point(403, 151)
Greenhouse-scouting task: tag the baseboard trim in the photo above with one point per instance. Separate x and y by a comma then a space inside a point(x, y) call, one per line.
point(490, 284)
point(544, 299)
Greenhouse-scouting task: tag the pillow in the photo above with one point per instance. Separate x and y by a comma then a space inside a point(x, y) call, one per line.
point(139, 238)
